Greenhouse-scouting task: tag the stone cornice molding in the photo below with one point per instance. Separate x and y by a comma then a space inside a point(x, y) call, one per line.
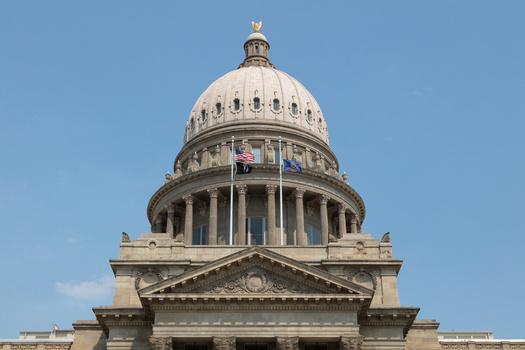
point(402, 316)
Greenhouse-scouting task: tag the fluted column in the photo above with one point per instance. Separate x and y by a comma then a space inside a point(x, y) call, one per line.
point(323, 201)
point(353, 223)
point(299, 217)
point(171, 219)
point(159, 220)
point(342, 219)
point(241, 215)
point(188, 221)
point(272, 236)
point(212, 232)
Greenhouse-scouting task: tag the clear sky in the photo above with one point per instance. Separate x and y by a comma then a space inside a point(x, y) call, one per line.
point(425, 105)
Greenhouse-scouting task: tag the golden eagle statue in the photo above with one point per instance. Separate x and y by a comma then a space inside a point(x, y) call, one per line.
point(256, 26)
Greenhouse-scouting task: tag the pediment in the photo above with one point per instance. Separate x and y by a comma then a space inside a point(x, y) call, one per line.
point(256, 272)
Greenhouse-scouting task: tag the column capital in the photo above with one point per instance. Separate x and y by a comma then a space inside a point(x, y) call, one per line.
point(353, 218)
point(214, 192)
point(299, 192)
point(157, 343)
point(170, 208)
point(271, 189)
point(223, 343)
point(188, 198)
point(342, 208)
point(351, 343)
point(242, 189)
point(323, 199)
point(159, 219)
point(287, 343)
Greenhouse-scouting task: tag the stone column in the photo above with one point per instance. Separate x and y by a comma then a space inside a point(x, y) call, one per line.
point(241, 216)
point(224, 343)
point(353, 223)
point(157, 343)
point(323, 201)
point(159, 220)
point(171, 219)
point(188, 221)
point(287, 343)
point(299, 217)
point(272, 236)
point(342, 219)
point(212, 232)
point(351, 343)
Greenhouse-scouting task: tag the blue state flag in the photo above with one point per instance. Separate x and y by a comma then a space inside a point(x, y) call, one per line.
point(290, 165)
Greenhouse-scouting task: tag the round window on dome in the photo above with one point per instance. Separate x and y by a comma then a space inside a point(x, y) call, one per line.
point(276, 105)
point(236, 104)
point(256, 103)
point(219, 108)
point(294, 108)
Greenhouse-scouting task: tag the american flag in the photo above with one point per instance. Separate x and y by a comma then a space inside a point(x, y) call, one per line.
point(242, 156)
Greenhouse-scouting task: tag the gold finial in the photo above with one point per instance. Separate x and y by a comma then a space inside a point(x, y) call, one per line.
point(256, 26)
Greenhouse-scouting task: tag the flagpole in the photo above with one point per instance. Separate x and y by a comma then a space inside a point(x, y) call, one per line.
point(231, 196)
point(281, 189)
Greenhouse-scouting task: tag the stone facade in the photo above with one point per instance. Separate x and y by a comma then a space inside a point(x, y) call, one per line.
point(296, 276)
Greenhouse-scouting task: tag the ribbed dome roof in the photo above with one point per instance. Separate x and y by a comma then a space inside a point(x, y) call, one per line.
point(256, 93)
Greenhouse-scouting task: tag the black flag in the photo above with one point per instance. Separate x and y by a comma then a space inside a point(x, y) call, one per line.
point(243, 168)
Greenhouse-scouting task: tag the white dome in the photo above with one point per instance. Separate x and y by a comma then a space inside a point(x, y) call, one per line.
point(233, 97)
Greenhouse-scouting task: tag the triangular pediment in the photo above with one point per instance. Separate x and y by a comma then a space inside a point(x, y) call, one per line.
point(256, 272)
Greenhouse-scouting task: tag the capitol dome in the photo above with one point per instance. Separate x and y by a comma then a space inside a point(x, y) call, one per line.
point(256, 92)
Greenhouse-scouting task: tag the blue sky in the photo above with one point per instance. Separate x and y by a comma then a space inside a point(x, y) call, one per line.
point(425, 105)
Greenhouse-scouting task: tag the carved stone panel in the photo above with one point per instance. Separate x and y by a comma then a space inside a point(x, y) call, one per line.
point(156, 343)
point(351, 343)
point(287, 343)
point(223, 343)
point(256, 281)
point(146, 277)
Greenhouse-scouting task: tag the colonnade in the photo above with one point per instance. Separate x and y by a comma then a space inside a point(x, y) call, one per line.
point(172, 221)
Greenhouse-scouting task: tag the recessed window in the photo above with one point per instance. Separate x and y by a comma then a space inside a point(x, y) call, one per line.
point(256, 231)
point(256, 103)
point(276, 105)
point(256, 48)
point(313, 235)
point(219, 108)
point(192, 123)
point(309, 115)
point(199, 235)
point(277, 156)
point(294, 108)
point(257, 154)
point(203, 115)
point(236, 104)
